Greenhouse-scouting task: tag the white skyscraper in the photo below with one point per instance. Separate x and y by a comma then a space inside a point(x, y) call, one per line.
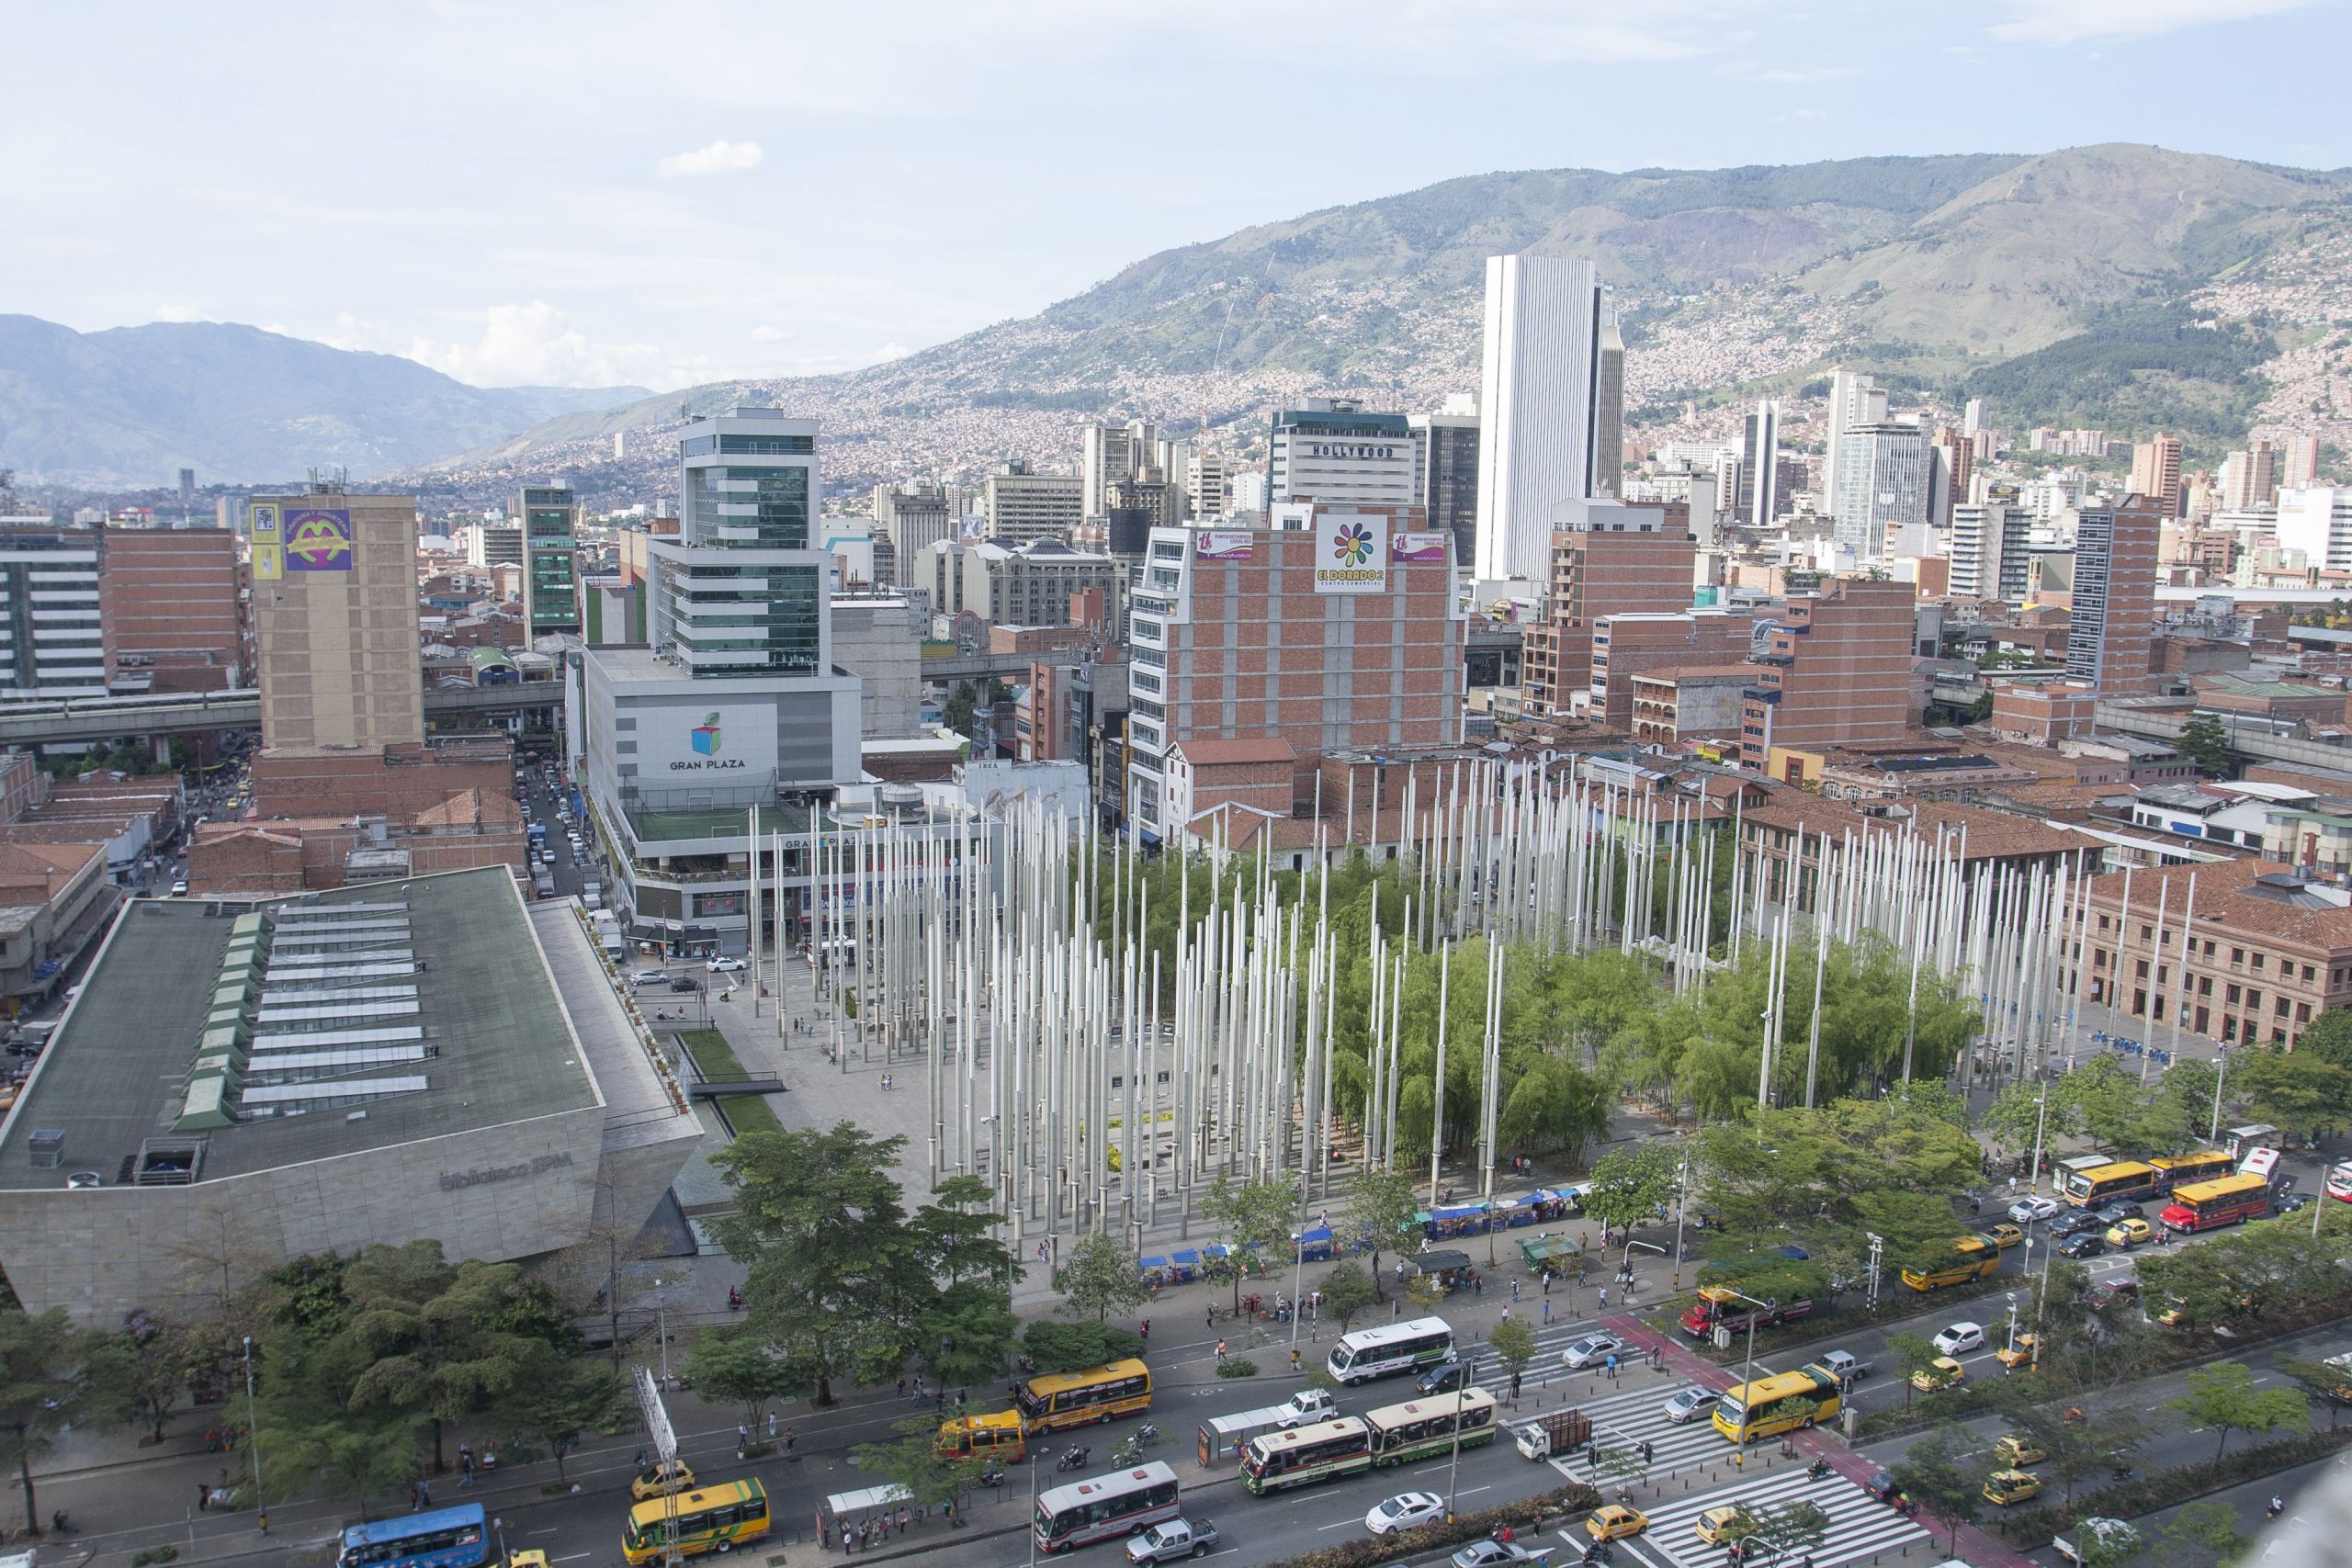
point(1539, 403)
point(1851, 404)
point(1760, 462)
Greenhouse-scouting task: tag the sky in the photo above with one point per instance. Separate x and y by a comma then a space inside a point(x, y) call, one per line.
point(664, 194)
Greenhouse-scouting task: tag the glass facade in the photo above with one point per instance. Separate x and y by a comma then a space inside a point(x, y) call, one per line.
point(746, 620)
point(552, 590)
point(747, 446)
point(761, 508)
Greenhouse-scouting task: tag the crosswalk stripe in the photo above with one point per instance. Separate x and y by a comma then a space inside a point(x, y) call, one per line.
point(1859, 1526)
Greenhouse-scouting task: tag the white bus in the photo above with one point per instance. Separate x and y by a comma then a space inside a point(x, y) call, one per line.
point(1119, 1503)
point(2263, 1162)
point(1371, 1353)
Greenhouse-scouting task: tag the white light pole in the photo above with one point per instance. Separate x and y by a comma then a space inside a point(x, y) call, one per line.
point(1682, 1213)
point(253, 1436)
point(2221, 1072)
point(2040, 1120)
point(661, 1317)
point(2011, 1296)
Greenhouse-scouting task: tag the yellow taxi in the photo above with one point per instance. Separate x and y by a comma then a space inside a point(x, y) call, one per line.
point(1717, 1526)
point(2016, 1451)
point(672, 1475)
point(2005, 1236)
point(528, 1560)
point(1943, 1372)
point(2129, 1233)
point(2019, 1354)
point(2004, 1487)
point(1613, 1521)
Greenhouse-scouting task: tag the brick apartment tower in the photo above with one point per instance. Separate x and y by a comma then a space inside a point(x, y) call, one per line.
point(172, 606)
point(1611, 559)
point(2155, 473)
point(2110, 630)
point(1837, 673)
point(1626, 647)
point(1232, 641)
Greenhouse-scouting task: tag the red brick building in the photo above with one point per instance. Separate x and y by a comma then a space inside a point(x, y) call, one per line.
point(1626, 560)
point(1625, 647)
point(172, 604)
point(1838, 672)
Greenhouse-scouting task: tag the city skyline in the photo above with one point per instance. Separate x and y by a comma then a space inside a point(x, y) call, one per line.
point(424, 230)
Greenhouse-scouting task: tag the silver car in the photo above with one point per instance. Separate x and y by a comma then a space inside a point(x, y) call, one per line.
point(1692, 1404)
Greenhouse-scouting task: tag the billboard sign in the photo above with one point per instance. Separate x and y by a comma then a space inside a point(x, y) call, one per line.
point(269, 546)
point(318, 538)
point(1417, 550)
point(1350, 552)
point(1227, 546)
point(736, 739)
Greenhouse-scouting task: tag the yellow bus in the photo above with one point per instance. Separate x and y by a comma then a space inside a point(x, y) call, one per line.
point(2118, 1181)
point(718, 1517)
point(1059, 1400)
point(1777, 1404)
point(1976, 1264)
point(2203, 1164)
point(997, 1436)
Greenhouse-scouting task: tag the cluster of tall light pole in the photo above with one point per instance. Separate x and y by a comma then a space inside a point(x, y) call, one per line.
point(1096, 1082)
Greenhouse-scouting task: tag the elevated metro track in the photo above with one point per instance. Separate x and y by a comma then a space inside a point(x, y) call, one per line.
point(103, 718)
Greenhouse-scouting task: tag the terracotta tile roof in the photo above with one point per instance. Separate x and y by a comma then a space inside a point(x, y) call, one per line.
point(34, 873)
point(1992, 835)
point(2229, 899)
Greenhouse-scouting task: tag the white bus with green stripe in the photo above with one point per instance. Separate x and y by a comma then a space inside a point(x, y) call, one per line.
point(1306, 1455)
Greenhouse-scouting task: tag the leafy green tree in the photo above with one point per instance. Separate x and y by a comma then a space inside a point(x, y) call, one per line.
point(2328, 1038)
point(41, 1388)
point(2204, 742)
point(1349, 1290)
point(836, 1278)
point(1065, 1347)
point(2081, 1448)
point(313, 1429)
point(1513, 1343)
point(1383, 1211)
point(1944, 1473)
point(566, 1396)
point(2322, 1385)
point(2101, 1099)
point(1912, 1353)
point(734, 1365)
point(2223, 1398)
point(1788, 1528)
point(2203, 1535)
point(1097, 1274)
point(1631, 1184)
point(958, 712)
point(139, 1375)
point(1253, 1219)
point(967, 1333)
point(2302, 1093)
point(930, 1480)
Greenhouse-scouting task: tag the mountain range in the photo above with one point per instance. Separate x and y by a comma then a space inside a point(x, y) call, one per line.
point(131, 406)
point(2120, 286)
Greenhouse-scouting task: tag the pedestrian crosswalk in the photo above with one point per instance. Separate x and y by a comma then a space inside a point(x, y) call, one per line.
point(1860, 1528)
point(1625, 1421)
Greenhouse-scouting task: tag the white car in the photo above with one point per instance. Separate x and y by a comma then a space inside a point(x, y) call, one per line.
point(1403, 1511)
point(179, 889)
point(1692, 1404)
point(1961, 1338)
point(1590, 1351)
point(2027, 1211)
point(1499, 1554)
point(727, 965)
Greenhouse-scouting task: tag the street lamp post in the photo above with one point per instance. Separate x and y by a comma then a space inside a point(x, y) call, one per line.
point(1878, 1250)
point(1682, 1213)
point(253, 1438)
point(662, 1318)
point(1748, 1376)
point(2221, 1074)
point(2011, 1297)
point(1454, 1467)
point(1036, 1456)
point(2040, 1120)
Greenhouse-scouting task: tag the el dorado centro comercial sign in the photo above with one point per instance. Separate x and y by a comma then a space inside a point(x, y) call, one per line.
point(1350, 552)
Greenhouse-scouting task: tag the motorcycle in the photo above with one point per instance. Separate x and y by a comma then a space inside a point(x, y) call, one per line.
point(1126, 1453)
point(1074, 1459)
point(1597, 1552)
point(1147, 1433)
point(992, 1478)
point(2278, 1506)
point(1816, 1469)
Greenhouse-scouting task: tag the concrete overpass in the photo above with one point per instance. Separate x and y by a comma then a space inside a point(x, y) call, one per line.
point(980, 666)
point(104, 719)
point(2247, 736)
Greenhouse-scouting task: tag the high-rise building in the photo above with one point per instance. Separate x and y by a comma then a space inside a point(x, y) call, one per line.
point(2112, 624)
point(1759, 466)
point(1608, 406)
point(174, 607)
point(188, 489)
point(1249, 491)
point(550, 519)
point(1608, 558)
point(1882, 482)
point(2155, 473)
point(1018, 504)
point(1837, 671)
point(334, 622)
point(1971, 422)
point(1951, 459)
point(1340, 636)
point(913, 517)
point(1335, 453)
point(1206, 493)
point(1989, 550)
point(1539, 404)
point(1445, 470)
point(2317, 520)
point(55, 642)
point(1852, 401)
point(1110, 453)
point(492, 544)
point(2302, 461)
point(2248, 478)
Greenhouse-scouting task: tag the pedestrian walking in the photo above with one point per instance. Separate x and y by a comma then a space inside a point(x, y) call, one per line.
point(771, 1426)
point(1604, 1297)
point(1612, 1368)
point(1505, 1315)
point(902, 1516)
point(1220, 1351)
point(1548, 1311)
point(1514, 1290)
point(1547, 1281)
point(1294, 1360)
point(1211, 1319)
point(743, 1439)
point(204, 1496)
point(902, 1388)
point(424, 1493)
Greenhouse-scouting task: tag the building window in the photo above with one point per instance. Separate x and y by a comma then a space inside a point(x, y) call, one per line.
point(2257, 961)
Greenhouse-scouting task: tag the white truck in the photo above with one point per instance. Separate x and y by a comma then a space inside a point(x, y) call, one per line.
point(1168, 1542)
point(1307, 1405)
point(1557, 1433)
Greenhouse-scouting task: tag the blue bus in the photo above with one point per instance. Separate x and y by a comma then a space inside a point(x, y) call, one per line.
point(440, 1537)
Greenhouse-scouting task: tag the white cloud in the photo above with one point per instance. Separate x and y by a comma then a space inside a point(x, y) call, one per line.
point(891, 351)
point(534, 344)
point(2074, 21)
point(720, 157)
point(765, 334)
point(171, 311)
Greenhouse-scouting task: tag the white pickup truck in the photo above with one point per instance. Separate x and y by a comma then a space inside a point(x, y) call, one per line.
point(1307, 1405)
point(1174, 1539)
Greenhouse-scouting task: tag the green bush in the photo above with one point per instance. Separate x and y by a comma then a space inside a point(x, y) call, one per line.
point(1239, 1367)
point(1065, 1347)
point(1524, 1515)
point(154, 1554)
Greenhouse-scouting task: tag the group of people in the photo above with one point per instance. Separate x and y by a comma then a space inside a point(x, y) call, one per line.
point(863, 1533)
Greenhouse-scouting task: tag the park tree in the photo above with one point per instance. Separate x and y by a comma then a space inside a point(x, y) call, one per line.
point(41, 1388)
point(1253, 1220)
point(1631, 1184)
point(1348, 1290)
point(735, 1365)
point(565, 1397)
point(911, 1461)
point(138, 1375)
point(1912, 1353)
point(316, 1432)
point(1944, 1474)
point(966, 1332)
point(1097, 1274)
point(1782, 1529)
point(2304, 1094)
point(1383, 1211)
point(1065, 1347)
point(2224, 1398)
point(2323, 1386)
point(2082, 1447)
point(2328, 1038)
point(1513, 1343)
point(2203, 1535)
point(2203, 742)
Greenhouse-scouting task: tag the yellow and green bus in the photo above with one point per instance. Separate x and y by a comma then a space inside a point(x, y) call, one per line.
point(1420, 1427)
point(717, 1517)
point(1305, 1455)
point(1083, 1398)
point(1777, 1404)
